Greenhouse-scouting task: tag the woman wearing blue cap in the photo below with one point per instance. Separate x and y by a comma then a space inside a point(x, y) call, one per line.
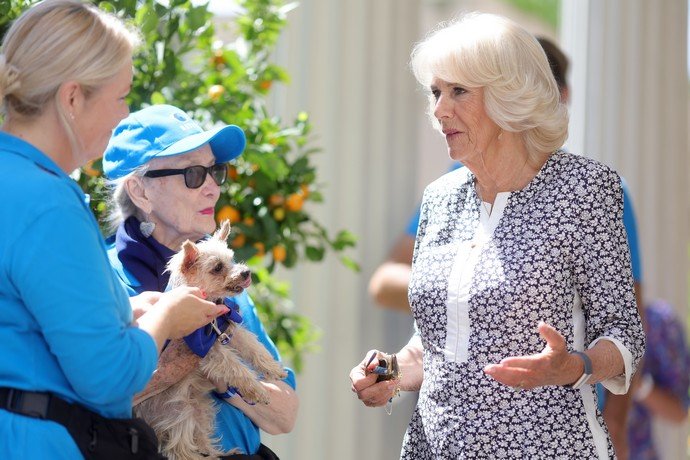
point(165, 174)
point(71, 357)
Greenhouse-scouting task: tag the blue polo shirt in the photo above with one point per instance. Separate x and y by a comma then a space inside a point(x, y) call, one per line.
point(64, 317)
point(235, 430)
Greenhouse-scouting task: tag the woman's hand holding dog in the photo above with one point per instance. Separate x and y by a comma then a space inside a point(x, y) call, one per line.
point(177, 313)
point(142, 303)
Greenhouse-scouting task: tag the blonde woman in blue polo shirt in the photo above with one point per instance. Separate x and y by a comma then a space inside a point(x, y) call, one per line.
point(166, 173)
point(70, 341)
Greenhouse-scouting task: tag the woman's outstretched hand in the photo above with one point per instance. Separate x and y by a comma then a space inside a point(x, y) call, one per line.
point(552, 366)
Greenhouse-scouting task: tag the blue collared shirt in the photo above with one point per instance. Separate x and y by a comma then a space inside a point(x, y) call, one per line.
point(64, 317)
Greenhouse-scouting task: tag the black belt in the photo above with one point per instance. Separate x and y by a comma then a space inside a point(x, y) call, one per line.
point(44, 406)
point(264, 453)
point(242, 457)
point(97, 437)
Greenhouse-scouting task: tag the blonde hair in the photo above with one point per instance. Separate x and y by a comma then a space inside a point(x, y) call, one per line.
point(56, 41)
point(487, 51)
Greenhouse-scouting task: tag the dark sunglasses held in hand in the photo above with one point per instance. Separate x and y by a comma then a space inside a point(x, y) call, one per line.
point(194, 176)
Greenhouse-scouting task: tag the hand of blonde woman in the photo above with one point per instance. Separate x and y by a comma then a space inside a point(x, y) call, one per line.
point(552, 366)
point(364, 384)
point(177, 313)
point(143, 302)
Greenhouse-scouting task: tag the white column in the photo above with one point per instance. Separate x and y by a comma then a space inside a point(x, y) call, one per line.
point(348, 63)
point(630, 110)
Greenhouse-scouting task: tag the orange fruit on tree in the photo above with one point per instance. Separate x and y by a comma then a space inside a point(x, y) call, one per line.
point(304, 188)
point(261, 249)
point(89, 170)
point(248, 221)
point(229, 213)
point(218, 59)
point(279, 253)
point(232, 173)
point(294, 202)
point(279, 214)
point(239, 241)
point(215, 92)
point(276, 199)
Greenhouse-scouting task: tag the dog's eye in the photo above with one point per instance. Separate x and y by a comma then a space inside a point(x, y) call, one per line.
point(218, 268)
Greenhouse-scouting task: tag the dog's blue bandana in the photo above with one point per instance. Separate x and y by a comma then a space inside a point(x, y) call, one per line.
point(201, 340)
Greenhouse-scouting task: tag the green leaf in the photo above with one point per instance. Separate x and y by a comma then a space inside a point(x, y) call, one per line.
point(314, 254)
point(197, 17)
point(146, 19)
point(157, 98)
point(344, 239)
point(349, 263)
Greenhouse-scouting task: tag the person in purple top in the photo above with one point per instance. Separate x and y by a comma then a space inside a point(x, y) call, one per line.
point(662, 391)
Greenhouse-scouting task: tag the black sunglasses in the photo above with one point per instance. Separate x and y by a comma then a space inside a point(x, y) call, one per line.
point(194, 176)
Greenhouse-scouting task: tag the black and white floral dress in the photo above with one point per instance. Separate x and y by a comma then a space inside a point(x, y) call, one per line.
point(555, 251)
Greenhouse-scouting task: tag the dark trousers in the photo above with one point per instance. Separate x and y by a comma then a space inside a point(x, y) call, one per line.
point(264, 453)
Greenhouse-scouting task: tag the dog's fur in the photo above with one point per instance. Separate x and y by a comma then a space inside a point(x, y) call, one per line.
point(183, 415)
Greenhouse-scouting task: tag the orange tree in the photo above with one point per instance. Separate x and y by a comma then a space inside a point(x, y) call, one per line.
point(272, 185)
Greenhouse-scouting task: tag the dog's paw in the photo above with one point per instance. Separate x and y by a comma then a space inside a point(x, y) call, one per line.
point(272, 370)
point(255, 394)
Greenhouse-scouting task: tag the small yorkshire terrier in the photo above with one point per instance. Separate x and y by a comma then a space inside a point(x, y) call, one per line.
point(183, 415)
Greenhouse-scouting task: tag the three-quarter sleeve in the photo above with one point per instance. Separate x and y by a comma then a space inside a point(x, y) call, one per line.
point(603, 273)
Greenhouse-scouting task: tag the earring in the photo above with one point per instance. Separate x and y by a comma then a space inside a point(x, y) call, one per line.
point(146, 228)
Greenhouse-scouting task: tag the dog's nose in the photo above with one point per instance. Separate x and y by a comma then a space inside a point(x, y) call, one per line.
point(245, 274)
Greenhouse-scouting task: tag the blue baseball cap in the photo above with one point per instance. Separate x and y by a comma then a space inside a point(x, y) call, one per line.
point(163, 131)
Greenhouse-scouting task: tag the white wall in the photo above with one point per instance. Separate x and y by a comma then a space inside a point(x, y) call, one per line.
point(348, 63)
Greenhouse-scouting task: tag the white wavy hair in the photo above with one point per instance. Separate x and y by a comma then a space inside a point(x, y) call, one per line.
point(494, 53)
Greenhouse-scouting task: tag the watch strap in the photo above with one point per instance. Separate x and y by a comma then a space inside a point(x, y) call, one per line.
point(586, 374)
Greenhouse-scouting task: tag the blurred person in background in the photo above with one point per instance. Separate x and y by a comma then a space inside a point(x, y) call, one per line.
point(662, 389)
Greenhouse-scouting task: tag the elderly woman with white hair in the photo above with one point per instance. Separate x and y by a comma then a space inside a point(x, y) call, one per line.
point(521, 284)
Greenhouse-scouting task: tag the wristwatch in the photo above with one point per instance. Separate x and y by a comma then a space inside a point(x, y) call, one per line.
point(587, 372)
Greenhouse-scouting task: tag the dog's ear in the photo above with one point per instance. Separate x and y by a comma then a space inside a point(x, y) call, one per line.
point(191, 254)
point(223, 232)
